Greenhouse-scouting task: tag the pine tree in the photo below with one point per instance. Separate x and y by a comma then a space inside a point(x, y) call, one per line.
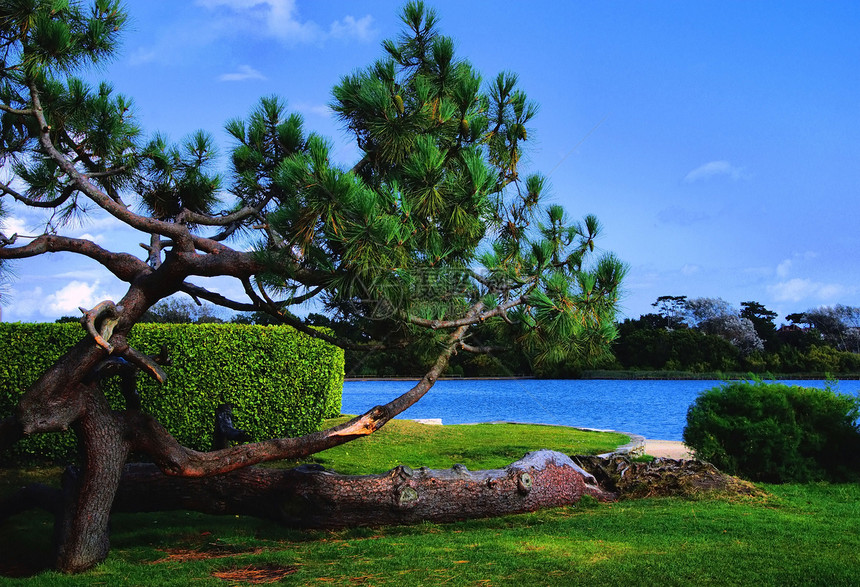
point(435, 229)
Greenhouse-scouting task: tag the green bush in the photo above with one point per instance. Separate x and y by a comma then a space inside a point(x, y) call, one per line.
point(775, 432)
point(281, 383)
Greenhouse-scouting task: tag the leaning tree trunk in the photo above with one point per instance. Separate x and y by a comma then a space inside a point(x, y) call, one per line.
point(309, 497)
point(82, 532)
point(68, 394)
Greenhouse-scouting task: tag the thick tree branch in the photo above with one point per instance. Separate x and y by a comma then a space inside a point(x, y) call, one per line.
point(149, 436)
point(10, 110)
point(93, 170)
point(223, 261)
point(126, 267)
point(106, 313)
point(309, 497)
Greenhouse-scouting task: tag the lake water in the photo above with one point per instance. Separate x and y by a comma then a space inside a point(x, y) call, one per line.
point(654, 409)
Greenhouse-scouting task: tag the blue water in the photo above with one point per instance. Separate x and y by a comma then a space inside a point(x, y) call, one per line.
point(654, 409)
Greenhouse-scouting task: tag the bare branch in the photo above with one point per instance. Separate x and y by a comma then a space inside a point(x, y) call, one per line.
point(107, 172)
point(343, 343)
point(67, 192)
point(145, 364)
point(481, 350)
point(216, 298)
point(197, 291)
point(295, 300)
point(217, 220)
point(469, 319)
point(494, 286)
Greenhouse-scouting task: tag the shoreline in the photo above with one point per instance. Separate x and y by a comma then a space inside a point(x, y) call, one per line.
point(637, 446)
point(632, 377)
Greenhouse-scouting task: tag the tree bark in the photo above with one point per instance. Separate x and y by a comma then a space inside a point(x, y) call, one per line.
point(67, 395)
point(82, 532)
point(308, 497)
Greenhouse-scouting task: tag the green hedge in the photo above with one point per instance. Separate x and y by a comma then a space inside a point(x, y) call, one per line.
point(775, 432)
point(282, 383)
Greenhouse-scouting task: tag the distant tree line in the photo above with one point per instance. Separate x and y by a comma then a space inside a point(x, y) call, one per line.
point(709, 334)
point(700, 335)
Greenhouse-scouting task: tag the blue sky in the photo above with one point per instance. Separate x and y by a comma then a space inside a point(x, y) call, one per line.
point(718, 142)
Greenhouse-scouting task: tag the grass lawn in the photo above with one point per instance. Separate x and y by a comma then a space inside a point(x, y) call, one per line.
point(478, 446)
point(797, 535)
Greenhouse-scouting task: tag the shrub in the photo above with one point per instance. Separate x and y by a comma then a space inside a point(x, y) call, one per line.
point(776, 433)
point(281, 383)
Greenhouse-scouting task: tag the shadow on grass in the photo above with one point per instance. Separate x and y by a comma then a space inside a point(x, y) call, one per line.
point(26, 545)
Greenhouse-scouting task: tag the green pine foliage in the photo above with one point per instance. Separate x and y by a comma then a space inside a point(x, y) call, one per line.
point(437, 226)
point(776, 433)
point(437, 216)
point(281, 383)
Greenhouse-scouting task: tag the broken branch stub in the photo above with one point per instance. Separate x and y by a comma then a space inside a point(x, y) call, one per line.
point(100, 323)
point(107, 314)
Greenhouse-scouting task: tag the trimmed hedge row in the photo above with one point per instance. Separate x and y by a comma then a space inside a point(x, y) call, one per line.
point(282, 383)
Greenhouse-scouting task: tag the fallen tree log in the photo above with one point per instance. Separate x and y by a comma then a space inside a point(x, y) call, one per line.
point(311, 497)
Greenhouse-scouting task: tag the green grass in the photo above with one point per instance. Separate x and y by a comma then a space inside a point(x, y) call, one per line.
point(797, 535)
point(478, 446)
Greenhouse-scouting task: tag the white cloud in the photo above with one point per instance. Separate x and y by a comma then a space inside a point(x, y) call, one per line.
point(688, 270)
point(78, 274)
point(280, 19)
point(24, 306)
point(348, 27)
point(14, 225)
point(213, 21)
point(33, 222)
point(321, 110)
point(783, 269)
point(76, 294)
point(242, 73)
point(714, 169)
point(796, 290)
point(96, 238)
point(143, 55)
